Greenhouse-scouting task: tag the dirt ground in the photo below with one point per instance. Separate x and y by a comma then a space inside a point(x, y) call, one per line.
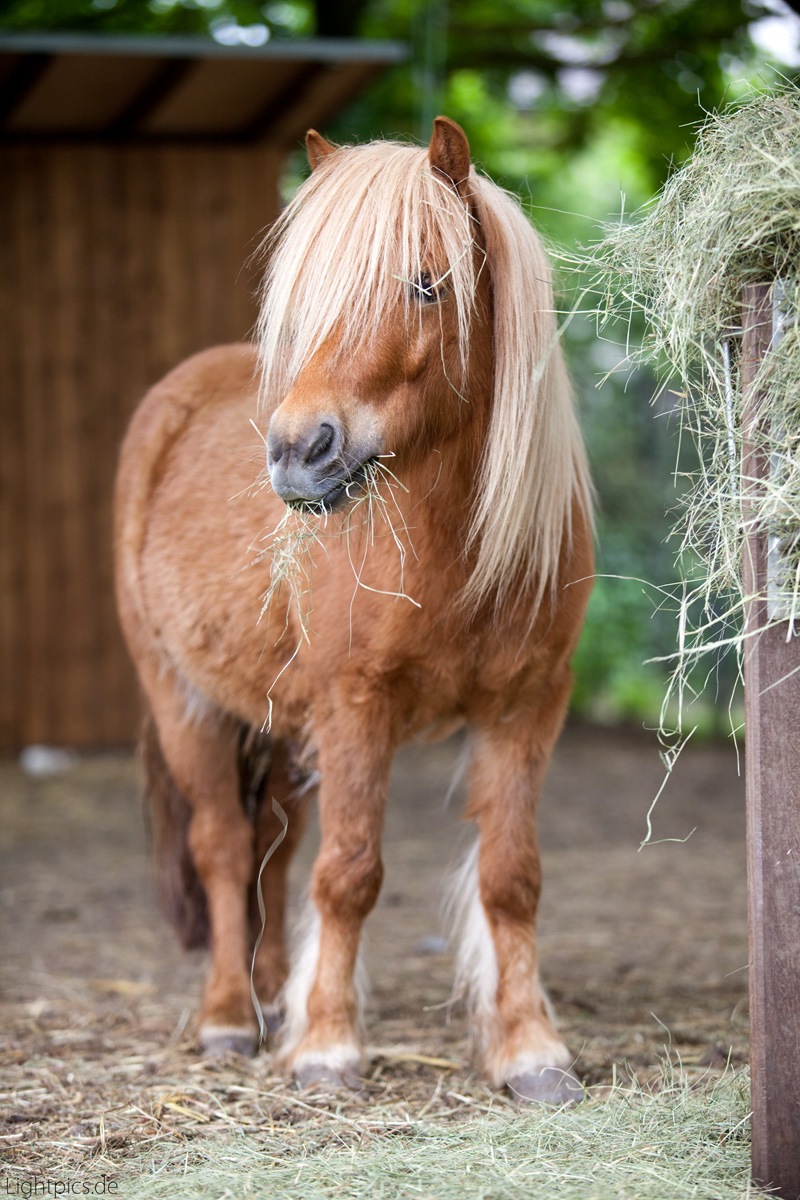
point(644, 954)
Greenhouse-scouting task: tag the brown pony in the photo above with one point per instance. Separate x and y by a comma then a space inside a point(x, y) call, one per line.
point(431, 571)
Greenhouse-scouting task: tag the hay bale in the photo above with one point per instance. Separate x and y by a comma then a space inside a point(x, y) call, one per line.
point(729, 217)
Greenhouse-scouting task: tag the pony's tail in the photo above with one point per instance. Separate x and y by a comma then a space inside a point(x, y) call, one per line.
point(181, 893)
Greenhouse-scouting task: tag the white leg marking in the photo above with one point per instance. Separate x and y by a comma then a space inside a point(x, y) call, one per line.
point(476, 971)
point(476, 979)
point(303, 972)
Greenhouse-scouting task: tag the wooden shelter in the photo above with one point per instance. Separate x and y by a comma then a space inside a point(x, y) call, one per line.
point(137, 176)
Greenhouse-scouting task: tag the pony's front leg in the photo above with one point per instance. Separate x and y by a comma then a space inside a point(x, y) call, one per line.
point(498, 963)
point(323, 1041)
point(290, 790)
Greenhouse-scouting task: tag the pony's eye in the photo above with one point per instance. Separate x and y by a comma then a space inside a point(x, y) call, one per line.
point(424, 291)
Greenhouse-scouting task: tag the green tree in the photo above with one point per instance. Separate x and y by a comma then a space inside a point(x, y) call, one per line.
point(567, 70)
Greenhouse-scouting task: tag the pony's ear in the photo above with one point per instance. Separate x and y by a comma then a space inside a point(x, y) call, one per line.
point(317, 148)
point(448, 153)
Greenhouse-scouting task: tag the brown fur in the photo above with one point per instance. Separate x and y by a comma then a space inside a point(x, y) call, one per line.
point(374, 671)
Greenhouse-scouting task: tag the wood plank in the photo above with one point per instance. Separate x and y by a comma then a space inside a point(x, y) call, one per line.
point(112, 704)
point(18, 79)
point(76, 455)
point(326, 92)
point(32, 335)
point(125, 260)
point(772, 701)
point(80, 92)
point(12, 471)
point(221, 97)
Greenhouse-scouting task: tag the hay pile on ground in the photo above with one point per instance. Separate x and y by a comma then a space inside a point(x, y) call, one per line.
point(679, 1142)
point(730, 217)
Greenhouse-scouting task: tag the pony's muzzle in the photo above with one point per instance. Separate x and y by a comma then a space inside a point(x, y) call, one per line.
point(307, 465)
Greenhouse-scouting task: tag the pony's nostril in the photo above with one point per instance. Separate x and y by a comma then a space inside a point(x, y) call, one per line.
point(322, 444)
point(277, 448)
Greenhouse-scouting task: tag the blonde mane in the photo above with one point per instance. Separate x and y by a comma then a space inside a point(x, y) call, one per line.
point(353, 238)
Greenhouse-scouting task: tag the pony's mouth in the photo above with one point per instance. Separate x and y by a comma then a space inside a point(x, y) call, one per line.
point(342, 492)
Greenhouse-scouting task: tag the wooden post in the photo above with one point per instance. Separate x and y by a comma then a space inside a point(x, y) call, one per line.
point(772, 708)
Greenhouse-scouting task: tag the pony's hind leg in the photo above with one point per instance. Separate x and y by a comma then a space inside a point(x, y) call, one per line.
point(498, 964)
point(290, 789)
point(200, 748)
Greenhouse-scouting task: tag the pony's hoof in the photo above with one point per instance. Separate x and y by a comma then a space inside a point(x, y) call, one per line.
point(324, 1078)
point(219, 1040)
point(274, 1016)
point(547, 1085)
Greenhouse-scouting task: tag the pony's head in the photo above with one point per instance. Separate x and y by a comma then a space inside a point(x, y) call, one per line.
point(370, 313)
point(408, 304)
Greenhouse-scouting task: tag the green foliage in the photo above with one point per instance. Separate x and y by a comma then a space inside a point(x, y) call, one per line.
point(157, 17)
point(612, 681)
point(563, 71)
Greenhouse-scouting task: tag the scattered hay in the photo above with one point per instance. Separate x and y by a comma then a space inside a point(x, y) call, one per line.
point(679, 1142)
point(730, 217)
point(117, 1100)
point(159, 1122)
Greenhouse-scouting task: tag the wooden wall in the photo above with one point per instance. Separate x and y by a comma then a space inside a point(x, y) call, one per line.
point(115, 263)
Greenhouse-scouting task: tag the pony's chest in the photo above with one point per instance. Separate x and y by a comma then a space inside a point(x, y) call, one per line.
point(459, 679)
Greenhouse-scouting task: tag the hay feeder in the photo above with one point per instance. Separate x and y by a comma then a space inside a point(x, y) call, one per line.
point(713, 266)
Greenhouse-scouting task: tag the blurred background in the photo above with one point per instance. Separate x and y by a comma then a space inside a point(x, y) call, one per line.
point(582, 107)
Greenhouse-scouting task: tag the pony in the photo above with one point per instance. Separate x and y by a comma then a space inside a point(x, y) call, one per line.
point(425, 469)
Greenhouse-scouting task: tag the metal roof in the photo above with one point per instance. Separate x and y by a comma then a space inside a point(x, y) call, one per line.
point(131, 88)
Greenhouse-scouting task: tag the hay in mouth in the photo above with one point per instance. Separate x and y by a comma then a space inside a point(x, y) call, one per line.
point(344, 490)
